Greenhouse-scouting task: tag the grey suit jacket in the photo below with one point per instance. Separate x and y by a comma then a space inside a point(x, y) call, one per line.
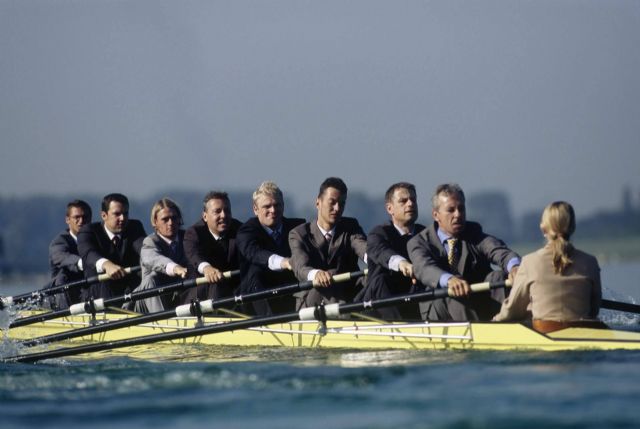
point(309, 251)
point(63, 263)
point(477, 252)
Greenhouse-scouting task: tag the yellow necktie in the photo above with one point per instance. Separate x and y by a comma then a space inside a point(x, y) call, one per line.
point(452, 256)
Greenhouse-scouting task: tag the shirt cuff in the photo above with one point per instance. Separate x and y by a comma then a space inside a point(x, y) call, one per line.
point(170, 267)
point(512, 263)
point(202, 266)
point(99, 265)
point(312, 275)
point(275, 262)
point(80, 264)
point(394, 262)
point(444, 279)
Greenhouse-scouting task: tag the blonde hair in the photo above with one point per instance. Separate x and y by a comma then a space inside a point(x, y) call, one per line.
point(164, 203)
point(269, 189)
point(558, 223)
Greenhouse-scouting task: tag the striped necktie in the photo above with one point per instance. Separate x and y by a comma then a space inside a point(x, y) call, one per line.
point(452, 254)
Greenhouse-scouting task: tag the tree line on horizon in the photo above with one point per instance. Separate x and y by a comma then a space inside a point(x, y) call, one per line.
point(30, 223)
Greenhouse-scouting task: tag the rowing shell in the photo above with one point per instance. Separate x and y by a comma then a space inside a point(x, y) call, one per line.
point(350, 334)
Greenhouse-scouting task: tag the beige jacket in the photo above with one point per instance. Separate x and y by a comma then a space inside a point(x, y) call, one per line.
point(570, 296)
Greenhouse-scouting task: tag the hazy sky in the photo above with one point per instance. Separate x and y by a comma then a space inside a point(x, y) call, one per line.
point(538, 98)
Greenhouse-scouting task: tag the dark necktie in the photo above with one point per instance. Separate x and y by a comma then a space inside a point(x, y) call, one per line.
point(116, 241)
point(173, 246)
point(276, 236)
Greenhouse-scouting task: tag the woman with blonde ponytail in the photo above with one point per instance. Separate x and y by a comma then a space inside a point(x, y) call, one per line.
point(557, 285)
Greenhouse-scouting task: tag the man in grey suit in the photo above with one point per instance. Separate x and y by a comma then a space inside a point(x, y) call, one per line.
point(327, 246)
point(64, 261)
point(162, 257)
point(454, 253)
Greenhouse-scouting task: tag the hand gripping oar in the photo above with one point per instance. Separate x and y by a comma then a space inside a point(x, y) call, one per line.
point(620, 306)
point(37, 295)
point(96, 305)
point(320, 313)
point(187, 310)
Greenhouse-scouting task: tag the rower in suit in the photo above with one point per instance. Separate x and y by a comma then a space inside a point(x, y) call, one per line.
point(454, 253)
point(390, 271)
point(210, 246)
point(111, 246)
point(162, 257)
point(264, 250)
point(64, 260)
point(327, 246)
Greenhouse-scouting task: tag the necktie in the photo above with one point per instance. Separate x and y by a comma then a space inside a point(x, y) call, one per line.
point(116, 242)
point(174, 248)
point(328, 236)
point(452, 255)
point(276, 236)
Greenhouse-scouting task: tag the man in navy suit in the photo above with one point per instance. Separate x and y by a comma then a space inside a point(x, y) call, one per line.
point(111, 246)
point(64, 260)
point(210, 246)
point(390, 271)
point(264, 249)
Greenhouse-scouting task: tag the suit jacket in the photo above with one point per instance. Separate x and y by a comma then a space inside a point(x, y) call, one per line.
point(477, 252)
point(256, 246)
point(383, 242)
point(154, 258)
point(572, 295)
point(94, 244)
point(63, 263)
point(310, 251)
point(200, 246)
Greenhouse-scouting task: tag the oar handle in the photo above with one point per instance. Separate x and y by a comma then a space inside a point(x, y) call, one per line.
point(482, 287)
point(104, 277)
point(226, 275)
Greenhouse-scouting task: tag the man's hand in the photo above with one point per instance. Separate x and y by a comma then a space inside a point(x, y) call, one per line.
point(458, 286)
point(285, 264)
point(322, 279)
point(180, 271)
point(213, 275)
point(406, 268)
point(114, 271)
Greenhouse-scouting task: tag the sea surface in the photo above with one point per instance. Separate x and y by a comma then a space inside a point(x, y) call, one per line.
point(290, 388)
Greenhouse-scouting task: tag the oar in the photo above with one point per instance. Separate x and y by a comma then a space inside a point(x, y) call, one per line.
point(96, 305)
point(321, 313)
point(620, 306)
point(6, 301)
point(184, 310)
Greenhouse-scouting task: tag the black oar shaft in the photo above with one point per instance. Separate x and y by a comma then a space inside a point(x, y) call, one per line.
point(154, 317)
point(620, 306)
point(236, 325)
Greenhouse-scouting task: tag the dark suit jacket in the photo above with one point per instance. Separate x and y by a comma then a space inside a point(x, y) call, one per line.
point(94, 244)
point(200, 246)
point(63, 262)
point(256, 246)
point(309, 251)
point(383, 242)
point(477, 252)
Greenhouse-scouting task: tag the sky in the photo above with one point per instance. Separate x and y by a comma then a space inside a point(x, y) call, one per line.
point(539, 99)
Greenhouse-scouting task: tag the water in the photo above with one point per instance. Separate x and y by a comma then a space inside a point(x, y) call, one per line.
point(279, 387)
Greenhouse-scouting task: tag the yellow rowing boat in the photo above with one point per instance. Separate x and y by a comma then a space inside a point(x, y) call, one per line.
point(349, 334)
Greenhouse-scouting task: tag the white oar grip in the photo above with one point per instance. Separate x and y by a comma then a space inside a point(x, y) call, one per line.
point(79, 308)
point(309, 313)
point(183, 310)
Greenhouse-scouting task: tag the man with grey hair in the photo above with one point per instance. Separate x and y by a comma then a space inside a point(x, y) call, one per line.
point(454, 253)
point(264, 249)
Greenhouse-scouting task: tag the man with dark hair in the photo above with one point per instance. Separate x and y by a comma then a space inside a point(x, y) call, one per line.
point(327, 246)
point(111, 246)
point(264, 250)
point(64, 260)
point(454, 253)
point(390, 271)
point(210, 246)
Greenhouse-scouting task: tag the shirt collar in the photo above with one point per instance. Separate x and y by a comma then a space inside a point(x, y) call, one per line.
point(443, 236)
point(401, 231)
point(324, 231)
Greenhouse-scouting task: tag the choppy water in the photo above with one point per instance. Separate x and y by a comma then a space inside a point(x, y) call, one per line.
point(281, 388)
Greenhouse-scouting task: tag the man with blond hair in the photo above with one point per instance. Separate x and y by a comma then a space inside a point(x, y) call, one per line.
point(264, 249)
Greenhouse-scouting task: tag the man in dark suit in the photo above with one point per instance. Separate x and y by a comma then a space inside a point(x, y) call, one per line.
point(390, 271)
point(162, 257)
point(454, 253)
point(64, 260)
point(264, 249)
point(111, 246)
point(210, 246)
point(327, 246)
